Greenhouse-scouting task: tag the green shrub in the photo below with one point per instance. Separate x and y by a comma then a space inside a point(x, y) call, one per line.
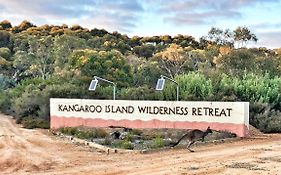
point(269, 121)
point(220, 135)
point(6, 82)
point(68, 130)
point(193, 86)
point(223, 88)
point(256, 88)
point(129, 137)
point(107, 141)
point(100, 133)
point(31, 96)
point(140, 93)
point(5, 102)
point(256, 109)
point(30, 123)
point(123, 144)
point(158, 142)
point(136, 132)
point(84, 133)
point(28, 104)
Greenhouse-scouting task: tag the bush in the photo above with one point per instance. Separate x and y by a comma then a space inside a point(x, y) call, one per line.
point(28, 104)
point(193, 86)
point(257, 108)
point(223, 88)
point(124, 144)
point(84, 133)
point(6, 82)
point(136, 132)
point(68, 130)
point(158, 142)
point(140, 93)
point(269, 121)
point(256, 88)
point(30, 123)
point(32, 97)
point(5, 102)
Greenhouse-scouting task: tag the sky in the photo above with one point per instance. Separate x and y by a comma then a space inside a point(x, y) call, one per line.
point(154, 17)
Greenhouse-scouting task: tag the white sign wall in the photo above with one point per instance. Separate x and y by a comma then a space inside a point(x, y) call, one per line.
point(229, 116)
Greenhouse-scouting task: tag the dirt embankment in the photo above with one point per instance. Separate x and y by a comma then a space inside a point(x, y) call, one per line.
point(25, 151)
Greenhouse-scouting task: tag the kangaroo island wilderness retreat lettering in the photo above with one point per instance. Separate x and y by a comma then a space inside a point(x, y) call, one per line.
point(79, 108)
point(218, 112)
point(150, 114)
point(161, 110)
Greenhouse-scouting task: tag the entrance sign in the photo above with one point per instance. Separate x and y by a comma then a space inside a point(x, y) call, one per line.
point(226, 116)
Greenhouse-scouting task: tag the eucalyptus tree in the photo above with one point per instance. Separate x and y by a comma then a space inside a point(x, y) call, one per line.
point(110, 65)
point(173, 60)
point(64, 45)
point(242, 35)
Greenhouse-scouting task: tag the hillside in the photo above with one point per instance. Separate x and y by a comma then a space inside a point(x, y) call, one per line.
point(40, 62)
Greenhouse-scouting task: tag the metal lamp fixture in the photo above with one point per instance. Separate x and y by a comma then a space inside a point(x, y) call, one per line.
point(95, 81)
point(161, 83)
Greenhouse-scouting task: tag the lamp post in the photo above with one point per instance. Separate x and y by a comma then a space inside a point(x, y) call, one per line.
point(161, 82)
point(94, 83)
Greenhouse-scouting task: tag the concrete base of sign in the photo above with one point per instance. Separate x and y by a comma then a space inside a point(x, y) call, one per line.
point(240, 130)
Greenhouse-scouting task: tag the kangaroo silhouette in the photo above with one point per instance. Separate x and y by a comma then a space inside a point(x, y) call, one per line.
point(193, 136)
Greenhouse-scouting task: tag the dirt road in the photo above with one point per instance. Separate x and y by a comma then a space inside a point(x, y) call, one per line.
point(25, 151)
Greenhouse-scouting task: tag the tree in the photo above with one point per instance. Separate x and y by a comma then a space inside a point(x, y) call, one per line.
point(185, 41)
point(219, 37)
point(6, 82)
point(147, 73)
point(95, 42)
point(236, 62)
point(146, 50)
point(5, 39)
point(5, 53)
point(122, 47)
point(5, 61)
point(110, 65)
point(242, 35)
point(173, 60)
point(76, 27)
point(135, 41)
point(166, 39)
point(20, 42)
point(42, 53)
point(21, 62)
point(63, 47)
point(151, 40)
point(6, 24)
point(97, 32)
point(25, 25)
point(37, 61)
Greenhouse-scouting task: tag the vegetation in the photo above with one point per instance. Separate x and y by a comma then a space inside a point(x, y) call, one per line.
point(135, 139)
point(84, 133)
point(41, 62)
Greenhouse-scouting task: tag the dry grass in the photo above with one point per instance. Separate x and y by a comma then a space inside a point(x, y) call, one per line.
point(245, 165)
point(273, 159)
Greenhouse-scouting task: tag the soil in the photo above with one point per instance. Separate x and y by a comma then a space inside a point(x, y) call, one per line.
point(24, 151)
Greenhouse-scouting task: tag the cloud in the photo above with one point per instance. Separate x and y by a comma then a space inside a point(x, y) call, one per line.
point(270, 39)
point(208, 17)
point(194, 12)
point(51, 8)
point(266, 25)
point(118, 14)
